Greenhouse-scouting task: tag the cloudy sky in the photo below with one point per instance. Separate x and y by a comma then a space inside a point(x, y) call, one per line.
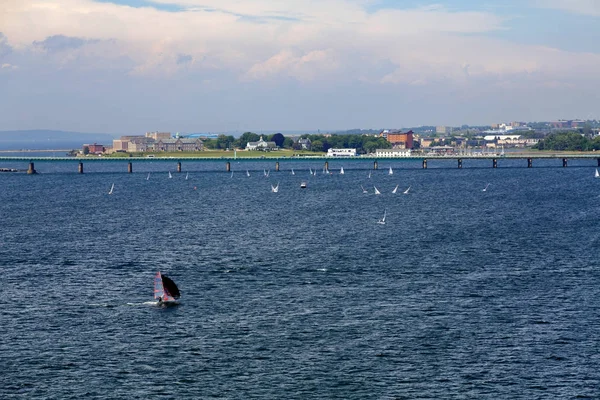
point(130, 66)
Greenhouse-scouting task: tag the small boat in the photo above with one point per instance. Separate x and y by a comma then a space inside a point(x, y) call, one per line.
point(187, 175)
point(166, 291)
point(170, 176)
point(303, 185)
point(406, 191)
point(342, 171)
point(597, 175)
point(148, 177)
point(395, 189)
point(247, 173)
point(382, 220)
point(265, 172)
point(275, 189)
point(111, 189)
point(310, 169)
point(293, 173)
point(231, 174)
point(377, 191)
point(390, 172)
point(369, 174)
point(486, 188)
point(363, 189)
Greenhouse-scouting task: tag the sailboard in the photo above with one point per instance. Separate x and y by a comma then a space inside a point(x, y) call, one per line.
point(111, 189)
point(165, 290)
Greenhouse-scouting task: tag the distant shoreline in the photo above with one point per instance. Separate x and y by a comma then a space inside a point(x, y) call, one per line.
point(34, 151)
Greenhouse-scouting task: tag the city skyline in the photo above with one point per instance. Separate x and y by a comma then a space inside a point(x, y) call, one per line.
point(205, 65)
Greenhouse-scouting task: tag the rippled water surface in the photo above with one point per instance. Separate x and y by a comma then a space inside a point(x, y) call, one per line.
point(301, 294)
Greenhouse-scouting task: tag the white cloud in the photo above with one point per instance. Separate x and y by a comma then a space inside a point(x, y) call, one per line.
point(313, 45)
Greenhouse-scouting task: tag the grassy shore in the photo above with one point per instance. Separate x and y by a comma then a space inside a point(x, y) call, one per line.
point(220, 154)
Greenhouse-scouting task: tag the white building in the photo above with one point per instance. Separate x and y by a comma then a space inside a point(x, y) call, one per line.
point(261, 145)
point(392, 152)
point(341, 152)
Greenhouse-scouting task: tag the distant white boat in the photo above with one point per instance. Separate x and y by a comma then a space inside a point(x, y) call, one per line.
point(275, 189)
point(268, 172)
point(369, 174)
point(342, 171)
point(406, 191)
point(486, 188)
point(303, 185)
point(187, 175)
point(382, 220)
point(377, 191)
point(247, 173)
point(111, 189)
point(597, 175)
point(293, 173)
point(265, 172)
point(170, 176)
point(232, 174)
point(363, 189)
point(310, 170)
point(395, 189)
point(148, 177)
point(390, 172)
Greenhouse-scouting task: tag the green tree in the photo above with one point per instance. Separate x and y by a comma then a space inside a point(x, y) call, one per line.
point(278, 138)
point(317, 145)
point(86, 150)
point(288, 143)
point(245, 138)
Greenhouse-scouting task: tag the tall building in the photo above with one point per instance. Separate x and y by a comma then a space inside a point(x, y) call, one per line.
point(398, 139)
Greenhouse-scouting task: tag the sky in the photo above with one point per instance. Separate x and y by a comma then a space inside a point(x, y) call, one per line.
point(132, 66)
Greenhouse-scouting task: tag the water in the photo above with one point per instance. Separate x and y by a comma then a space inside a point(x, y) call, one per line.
point(301, 294)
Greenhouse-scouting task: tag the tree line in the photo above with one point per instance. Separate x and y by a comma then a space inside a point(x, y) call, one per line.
point(320, 143)
point(568, 141)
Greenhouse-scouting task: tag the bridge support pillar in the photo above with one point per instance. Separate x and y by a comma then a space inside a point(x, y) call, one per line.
point(129, 167)
point(228, 166)
point(80, 168)
point(424, 163)
point(276, 166)
point(178, 166)
point(375, 165)
point(564, 162)
point(529, 163)
point(459, 163)
point(31, 170)
point(494, 163)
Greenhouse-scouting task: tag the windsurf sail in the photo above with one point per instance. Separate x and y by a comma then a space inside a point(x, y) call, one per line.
point(165, 289)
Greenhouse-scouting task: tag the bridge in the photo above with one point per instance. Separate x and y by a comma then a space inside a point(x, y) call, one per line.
point(528, 159)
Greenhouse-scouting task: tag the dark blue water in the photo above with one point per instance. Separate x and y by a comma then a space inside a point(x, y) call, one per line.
point(301, 294)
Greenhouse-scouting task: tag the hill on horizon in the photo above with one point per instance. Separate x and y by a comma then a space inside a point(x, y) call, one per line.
point(46, 139)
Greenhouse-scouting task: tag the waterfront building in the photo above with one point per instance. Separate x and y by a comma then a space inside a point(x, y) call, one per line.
point(341, 152)
point(158, 135)
point(393, 152)
point(397, 138)
point(261, 145)
point(94, 148)
point(179, 144)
